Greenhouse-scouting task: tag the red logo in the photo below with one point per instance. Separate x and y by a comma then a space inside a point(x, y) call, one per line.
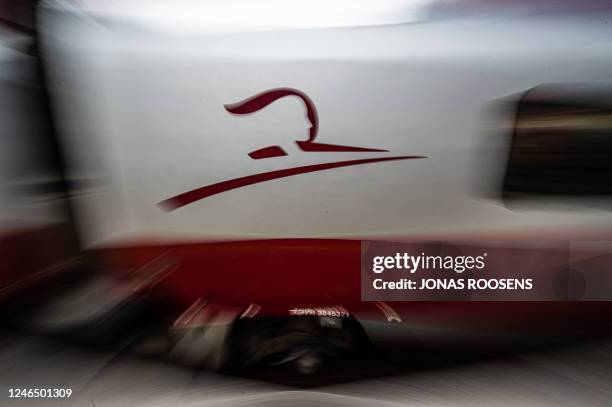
point(254, 104)
point(261, 100)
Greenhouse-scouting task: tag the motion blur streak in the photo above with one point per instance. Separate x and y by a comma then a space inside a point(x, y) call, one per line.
point(479, 121)
point(577, 376)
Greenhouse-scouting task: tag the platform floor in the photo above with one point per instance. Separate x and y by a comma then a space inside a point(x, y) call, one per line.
point(580, 375)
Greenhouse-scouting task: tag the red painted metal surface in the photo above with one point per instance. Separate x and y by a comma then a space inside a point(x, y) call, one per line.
point(279, 275)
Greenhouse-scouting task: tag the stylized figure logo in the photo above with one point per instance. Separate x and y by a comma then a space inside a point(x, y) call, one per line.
point(254, 104)
point(261, 100)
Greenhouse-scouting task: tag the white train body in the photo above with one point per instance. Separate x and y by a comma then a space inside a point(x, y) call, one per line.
point(140, 90)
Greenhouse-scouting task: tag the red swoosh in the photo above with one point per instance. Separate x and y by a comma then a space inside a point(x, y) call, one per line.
point(204, 192)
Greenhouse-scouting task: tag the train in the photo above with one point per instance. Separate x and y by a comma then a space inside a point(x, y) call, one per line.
point(228, 160)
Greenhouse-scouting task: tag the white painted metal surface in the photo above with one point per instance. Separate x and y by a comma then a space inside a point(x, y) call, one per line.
point(141, 107)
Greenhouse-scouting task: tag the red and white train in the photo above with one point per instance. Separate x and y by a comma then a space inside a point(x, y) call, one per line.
point(228, 157)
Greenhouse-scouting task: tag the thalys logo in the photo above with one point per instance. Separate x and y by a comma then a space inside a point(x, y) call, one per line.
point(256, 103)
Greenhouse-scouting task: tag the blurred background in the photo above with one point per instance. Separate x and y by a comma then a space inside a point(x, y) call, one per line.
point(251, 295)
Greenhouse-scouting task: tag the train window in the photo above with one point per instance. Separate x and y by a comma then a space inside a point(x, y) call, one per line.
point(561, 143)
